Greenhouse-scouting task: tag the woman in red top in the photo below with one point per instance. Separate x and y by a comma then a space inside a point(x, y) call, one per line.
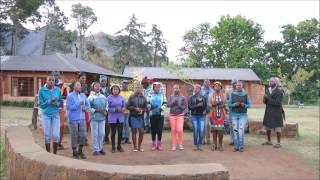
point(217, 103)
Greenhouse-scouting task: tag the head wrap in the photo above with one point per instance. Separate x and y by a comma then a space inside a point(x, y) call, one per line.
point(103, 77)
point(218, 82)
point(276, 81)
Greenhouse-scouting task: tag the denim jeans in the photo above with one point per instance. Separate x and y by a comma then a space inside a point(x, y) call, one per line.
point(126, 128)
point(239, 123)
point(51, 122)
point(146, 120)
point(97, 134)
point(78, 129)
point(198, 123)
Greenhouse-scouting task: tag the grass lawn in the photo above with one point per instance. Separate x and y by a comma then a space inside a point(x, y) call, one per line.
point(306, 145)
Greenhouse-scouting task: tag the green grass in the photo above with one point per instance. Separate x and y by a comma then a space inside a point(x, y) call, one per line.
point(307, 144)
point(11, 116)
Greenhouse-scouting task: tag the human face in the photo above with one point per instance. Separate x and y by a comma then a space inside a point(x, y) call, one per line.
point(206, 83)
point(272, 84)
point(239, 86)
point(156, 88)
point(124, 86)
point(96, 87)
point(83, 79)
point(138, 88)
point(77, 87)
point(176, 89)
point(103, 83)
point(217, 87)
point(50, 81)
point(115, 90)
point(197, 89)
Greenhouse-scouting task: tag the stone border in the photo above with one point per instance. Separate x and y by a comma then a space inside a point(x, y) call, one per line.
point(27, 160)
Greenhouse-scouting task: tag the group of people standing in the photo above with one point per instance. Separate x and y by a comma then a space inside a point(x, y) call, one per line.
point(118, 110)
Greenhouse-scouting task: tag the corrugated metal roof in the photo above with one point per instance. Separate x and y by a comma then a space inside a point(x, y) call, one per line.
point(54, 62)
point(193, 73)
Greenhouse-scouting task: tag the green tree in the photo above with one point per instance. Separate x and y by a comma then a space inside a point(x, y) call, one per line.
point(301, 46)
point(85, 17)
point(130, 44)
point(19, 12)
point(56, 38)
point(193, 53)
point(237, 42)
point(158, 46)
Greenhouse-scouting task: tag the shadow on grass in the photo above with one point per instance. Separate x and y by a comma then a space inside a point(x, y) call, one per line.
point(3, 161)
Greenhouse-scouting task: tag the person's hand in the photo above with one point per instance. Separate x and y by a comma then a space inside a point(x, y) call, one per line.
point(98, 110)
point(265, 96)
point(200, 104)
point(176, 101)
point(137, 109)
point(153, 106)
point(81, 102)
point(237, 104)
point(53, 100)
point(242, 104)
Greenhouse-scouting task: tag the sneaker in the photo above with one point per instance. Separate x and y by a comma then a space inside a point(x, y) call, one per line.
point(154, 146)
point(241, 149)
point(159, 146)
point(181, 147)
point(220, 148)
point(119, 148)
point(267, 143)
point(195, 148)
point(102, 152)
point(173, 148)
point(113, 150)
point(95, 153)
point(127, 141)
point(60, 147)
point(200, 148)
point(75, 155)
point(278, 145)
point(82, 156)
point(235, 150)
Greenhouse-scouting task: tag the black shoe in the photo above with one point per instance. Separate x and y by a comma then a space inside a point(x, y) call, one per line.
point(75, 155)
point(241, 150)
point(113, 150)
point(235, 150)
point(102, 152)
point(95, 153)
point(60, 147)
point(127, 141)
point(119, 148)
point(82, 156)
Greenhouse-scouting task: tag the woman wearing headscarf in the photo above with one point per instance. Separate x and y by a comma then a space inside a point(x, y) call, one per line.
point(217, 103)
point(239, 102)
point(116, 107)
point(98, 105)
point(273, 116)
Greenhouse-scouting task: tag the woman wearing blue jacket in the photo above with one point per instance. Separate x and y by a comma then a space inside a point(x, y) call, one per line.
point(50, 99)
point(98, 105)
point(77, 105)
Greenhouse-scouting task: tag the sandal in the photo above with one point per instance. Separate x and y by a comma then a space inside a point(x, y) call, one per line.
point(213, 148)
point(220, 148)
point(267, 143)
point(135, 150)
point(141, 149)
point(278, 145)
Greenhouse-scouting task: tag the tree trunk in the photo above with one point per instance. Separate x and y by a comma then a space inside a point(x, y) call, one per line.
point(289, 99)
point(44, 45)
point(155, 58)
point(14, 40)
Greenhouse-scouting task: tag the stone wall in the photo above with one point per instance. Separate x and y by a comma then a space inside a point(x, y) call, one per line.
point(27, 160)
point(290, 129)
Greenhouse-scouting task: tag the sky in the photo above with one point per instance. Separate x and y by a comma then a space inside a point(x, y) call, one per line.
point(174, 18)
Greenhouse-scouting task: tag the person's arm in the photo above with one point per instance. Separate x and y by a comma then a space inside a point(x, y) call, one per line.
point(164, 103)
point(59, 99)
point(205, 104)
point(231, 104)
point(72, 105)
point(191, 106)
point(170, 103)
point(86, 103)
point(130, 104)
point(123, 105)
point(248, 102)
point(183, 104)
point(109, 108)
point(149, 106)
point(43, 102)
point(277, 101)
point(90, 99)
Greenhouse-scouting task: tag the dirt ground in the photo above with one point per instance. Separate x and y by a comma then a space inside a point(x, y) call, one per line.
point(257, 162)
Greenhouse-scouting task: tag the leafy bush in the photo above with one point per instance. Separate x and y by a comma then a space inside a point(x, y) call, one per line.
point(26, 104)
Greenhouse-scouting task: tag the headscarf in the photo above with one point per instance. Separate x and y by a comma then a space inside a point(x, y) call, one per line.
point(103, 77)
point(276, 81)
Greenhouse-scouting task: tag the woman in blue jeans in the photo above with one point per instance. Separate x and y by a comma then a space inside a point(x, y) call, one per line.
point(50, 99)
point(197, 105)
point(239, 102)
point(77, 105)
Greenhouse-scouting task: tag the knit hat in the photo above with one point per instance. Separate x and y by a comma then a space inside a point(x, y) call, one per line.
point(103, 77)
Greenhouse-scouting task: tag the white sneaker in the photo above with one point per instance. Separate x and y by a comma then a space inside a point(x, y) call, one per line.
point(173, 148)
point(181, 147)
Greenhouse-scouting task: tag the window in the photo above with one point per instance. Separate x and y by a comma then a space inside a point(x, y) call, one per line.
point(41, 81)
point(22, 86)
